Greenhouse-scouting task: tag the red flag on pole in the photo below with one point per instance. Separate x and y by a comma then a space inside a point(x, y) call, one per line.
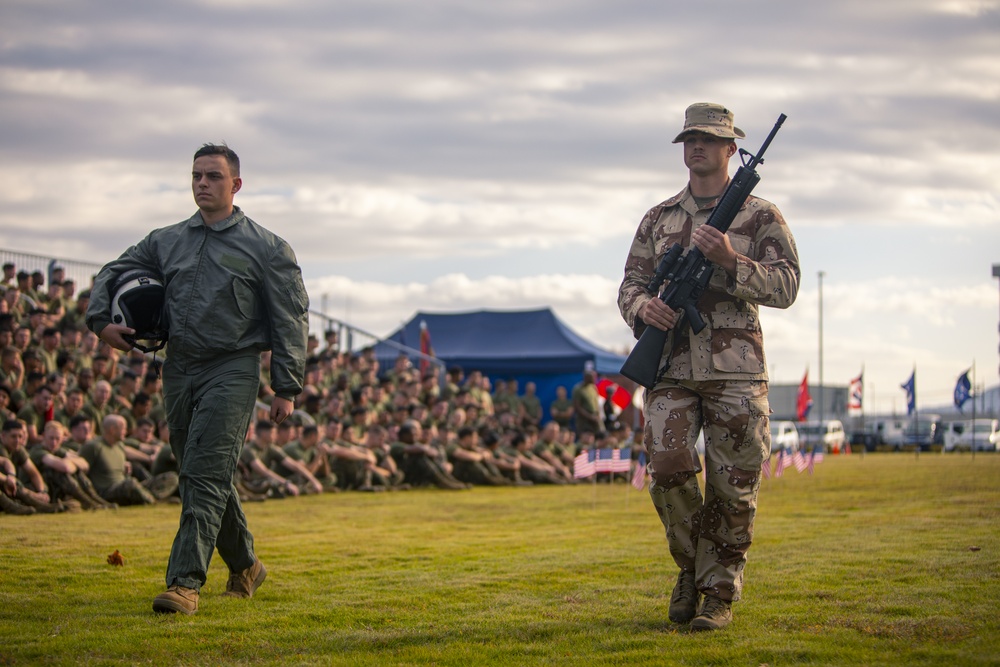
point(620, 396)
point(425, 346)
point(803, 401)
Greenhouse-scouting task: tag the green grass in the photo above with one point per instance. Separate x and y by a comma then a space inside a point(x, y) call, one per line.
point(885, 559)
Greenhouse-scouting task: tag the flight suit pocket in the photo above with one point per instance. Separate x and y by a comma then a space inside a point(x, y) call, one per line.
point(246, 299)
point(298, 298)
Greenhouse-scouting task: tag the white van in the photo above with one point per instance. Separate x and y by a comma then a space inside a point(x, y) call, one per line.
point(830, 434)
point(960, 435)
point(889, 431)
point(785, 436)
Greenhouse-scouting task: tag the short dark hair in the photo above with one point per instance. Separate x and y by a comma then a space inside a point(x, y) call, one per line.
point(76, 420)
point(408, 429)
point(225, 151)
point(14, 425)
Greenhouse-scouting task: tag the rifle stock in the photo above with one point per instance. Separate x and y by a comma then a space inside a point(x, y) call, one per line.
point(643, 362)
point(692, 275)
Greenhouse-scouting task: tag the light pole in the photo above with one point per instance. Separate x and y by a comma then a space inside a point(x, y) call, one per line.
point(821, 274)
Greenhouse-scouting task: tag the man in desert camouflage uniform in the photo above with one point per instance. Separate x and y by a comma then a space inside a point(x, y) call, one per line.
point(717, 379)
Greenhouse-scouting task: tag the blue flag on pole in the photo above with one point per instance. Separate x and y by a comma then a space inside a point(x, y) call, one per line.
point(911, 392)
point(963, 390)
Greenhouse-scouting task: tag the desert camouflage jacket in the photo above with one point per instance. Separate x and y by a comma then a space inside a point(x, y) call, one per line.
point(732, 345)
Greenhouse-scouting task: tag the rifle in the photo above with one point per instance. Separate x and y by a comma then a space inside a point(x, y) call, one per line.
point(689, 273)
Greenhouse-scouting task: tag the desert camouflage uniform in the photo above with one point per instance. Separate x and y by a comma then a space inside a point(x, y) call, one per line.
point(716, 379)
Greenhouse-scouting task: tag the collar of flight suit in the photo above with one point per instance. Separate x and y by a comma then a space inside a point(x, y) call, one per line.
point(235, 218)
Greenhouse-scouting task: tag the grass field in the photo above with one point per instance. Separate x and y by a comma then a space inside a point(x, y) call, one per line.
point(883, 559)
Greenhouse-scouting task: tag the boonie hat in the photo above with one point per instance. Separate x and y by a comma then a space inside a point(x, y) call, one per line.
point(709, 118)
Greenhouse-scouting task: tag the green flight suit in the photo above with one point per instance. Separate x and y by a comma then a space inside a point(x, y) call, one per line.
point(232, 290)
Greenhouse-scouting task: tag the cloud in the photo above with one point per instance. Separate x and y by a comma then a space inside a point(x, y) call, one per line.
point(454, 155)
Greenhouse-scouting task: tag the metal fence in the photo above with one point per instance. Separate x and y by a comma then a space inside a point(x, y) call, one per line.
point(81, 272)
point(351, 339)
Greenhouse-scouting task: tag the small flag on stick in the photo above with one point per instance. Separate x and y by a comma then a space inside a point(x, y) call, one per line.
point(639, 476)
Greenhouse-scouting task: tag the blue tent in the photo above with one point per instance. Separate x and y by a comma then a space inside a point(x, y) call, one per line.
point(526, 345)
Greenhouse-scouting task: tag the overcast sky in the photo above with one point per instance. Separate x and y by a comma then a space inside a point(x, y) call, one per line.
point(451, 156)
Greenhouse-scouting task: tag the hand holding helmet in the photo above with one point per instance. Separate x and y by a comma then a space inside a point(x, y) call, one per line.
point(115, 336)
point(137, 312)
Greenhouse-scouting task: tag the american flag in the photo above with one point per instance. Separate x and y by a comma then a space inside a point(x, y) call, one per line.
point(624, 461)
point(814, 458)
point(799, 461)
point(583, 464)
point(639, 477)
point(613, 460)
point(779, 464)
point(766, 469)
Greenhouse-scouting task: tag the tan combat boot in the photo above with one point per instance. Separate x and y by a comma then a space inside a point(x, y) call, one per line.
point(176, 599)
point(243, 584)
point(715, 614)
point(684, 599)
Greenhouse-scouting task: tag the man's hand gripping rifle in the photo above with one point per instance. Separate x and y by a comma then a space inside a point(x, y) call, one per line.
point(689, 274)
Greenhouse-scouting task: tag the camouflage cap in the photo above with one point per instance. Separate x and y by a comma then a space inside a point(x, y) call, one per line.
point(710, 118)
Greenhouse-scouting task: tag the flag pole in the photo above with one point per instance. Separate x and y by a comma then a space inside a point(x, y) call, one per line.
point(864, 445)
point(973, 409)
point(594, 494)
point(916, 414)
point(628, 484)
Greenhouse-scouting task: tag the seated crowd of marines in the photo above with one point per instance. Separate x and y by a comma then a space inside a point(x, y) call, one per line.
point(84, 426)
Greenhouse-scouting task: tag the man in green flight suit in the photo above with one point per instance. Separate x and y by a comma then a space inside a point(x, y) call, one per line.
point(232, 290)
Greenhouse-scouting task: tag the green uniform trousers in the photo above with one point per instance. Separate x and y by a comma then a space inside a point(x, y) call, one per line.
point(708, 535)
point(209, 406)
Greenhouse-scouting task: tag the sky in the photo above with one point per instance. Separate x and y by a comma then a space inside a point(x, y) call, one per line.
point(448, 156)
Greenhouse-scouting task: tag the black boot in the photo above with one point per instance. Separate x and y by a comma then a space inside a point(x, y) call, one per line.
point(32, 499)
point(11, 506)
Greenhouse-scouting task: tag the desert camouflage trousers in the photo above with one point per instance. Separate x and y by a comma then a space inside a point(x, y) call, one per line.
point(708, 534)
